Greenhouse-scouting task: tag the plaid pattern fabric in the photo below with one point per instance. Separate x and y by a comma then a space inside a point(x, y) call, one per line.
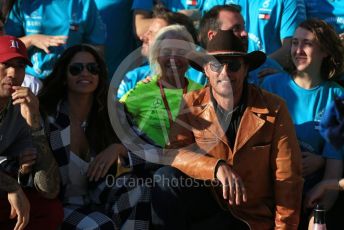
point(150, 153)
point(82, 215)
point(77, 217)
point(130, 203)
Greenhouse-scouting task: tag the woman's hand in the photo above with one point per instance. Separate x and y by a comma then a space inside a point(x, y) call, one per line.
point(103, 161)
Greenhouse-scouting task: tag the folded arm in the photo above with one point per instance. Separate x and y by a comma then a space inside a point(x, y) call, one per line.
point(286, 167)
point(46, 173)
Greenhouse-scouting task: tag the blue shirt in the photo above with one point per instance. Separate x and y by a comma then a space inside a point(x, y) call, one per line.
point(269, 63)
point(77, 19)
point(306, 107)
point(173, 5)
point(120, 40)
point(331, 11)
point(134, 76)
point(268, 22)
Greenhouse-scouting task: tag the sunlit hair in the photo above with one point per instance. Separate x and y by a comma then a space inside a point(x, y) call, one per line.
point(176, 32)
point(329, 42)
point(55, 89)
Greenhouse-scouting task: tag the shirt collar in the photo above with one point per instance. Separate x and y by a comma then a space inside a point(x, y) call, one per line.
point(242, 103)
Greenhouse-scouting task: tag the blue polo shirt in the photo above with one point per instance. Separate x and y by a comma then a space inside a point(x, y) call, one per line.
point(306, 107)
point(331, 11)
point(267, 22)
point(172, 5)
point(79, 20)
point(120, 40)
point(269, 63)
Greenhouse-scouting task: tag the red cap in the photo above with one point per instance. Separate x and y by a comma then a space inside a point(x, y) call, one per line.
point(11, 47)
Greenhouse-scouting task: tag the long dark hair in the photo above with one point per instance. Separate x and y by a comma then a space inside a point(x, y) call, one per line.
point(99, 131)
point(329, 42)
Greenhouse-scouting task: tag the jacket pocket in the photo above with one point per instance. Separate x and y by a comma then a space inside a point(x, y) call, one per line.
point(253, 164)
point(261, 148)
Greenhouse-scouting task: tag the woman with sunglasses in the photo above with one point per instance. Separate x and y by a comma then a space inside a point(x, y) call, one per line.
point(73, 102)
point(316, 60)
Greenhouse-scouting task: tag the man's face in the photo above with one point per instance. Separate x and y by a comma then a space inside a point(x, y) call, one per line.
point(234, 21)
point(226, 76)
point(148, 37)
point(12, 73)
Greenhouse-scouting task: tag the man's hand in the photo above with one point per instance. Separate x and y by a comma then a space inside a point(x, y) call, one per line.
point(20, 208)
point(311, 163)
point(26, 160)
point(29, 105)
point(43, 42)
point(232, 186)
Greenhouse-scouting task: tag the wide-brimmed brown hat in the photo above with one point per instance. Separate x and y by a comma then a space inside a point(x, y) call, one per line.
point(223, 45)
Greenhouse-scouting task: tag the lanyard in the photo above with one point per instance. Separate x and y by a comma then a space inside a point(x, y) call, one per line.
point(164, 99)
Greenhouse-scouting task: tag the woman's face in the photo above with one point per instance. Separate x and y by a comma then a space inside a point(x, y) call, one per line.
point(82, 73)
point(171, 59)
point(306, 53)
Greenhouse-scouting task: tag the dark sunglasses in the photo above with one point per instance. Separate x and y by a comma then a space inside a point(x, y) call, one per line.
point(232, 65)
point(77, 68)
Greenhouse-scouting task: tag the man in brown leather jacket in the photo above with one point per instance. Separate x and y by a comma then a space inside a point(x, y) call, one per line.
point(234, 134)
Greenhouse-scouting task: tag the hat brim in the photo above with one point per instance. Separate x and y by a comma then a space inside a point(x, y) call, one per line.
point(198, 59)
point(9, 56)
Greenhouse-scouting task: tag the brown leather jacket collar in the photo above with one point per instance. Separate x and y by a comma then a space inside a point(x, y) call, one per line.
point(256, 107)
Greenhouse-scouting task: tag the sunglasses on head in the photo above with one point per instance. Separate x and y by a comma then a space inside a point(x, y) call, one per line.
point(232, 65)
point(77, 68)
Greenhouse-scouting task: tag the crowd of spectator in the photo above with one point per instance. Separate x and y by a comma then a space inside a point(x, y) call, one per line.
point(229, 116)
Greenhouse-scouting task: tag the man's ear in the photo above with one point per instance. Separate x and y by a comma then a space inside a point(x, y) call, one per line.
point(206, 68)
point(211, 34)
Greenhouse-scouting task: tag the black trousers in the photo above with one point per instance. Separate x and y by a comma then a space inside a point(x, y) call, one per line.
point(180, 202)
